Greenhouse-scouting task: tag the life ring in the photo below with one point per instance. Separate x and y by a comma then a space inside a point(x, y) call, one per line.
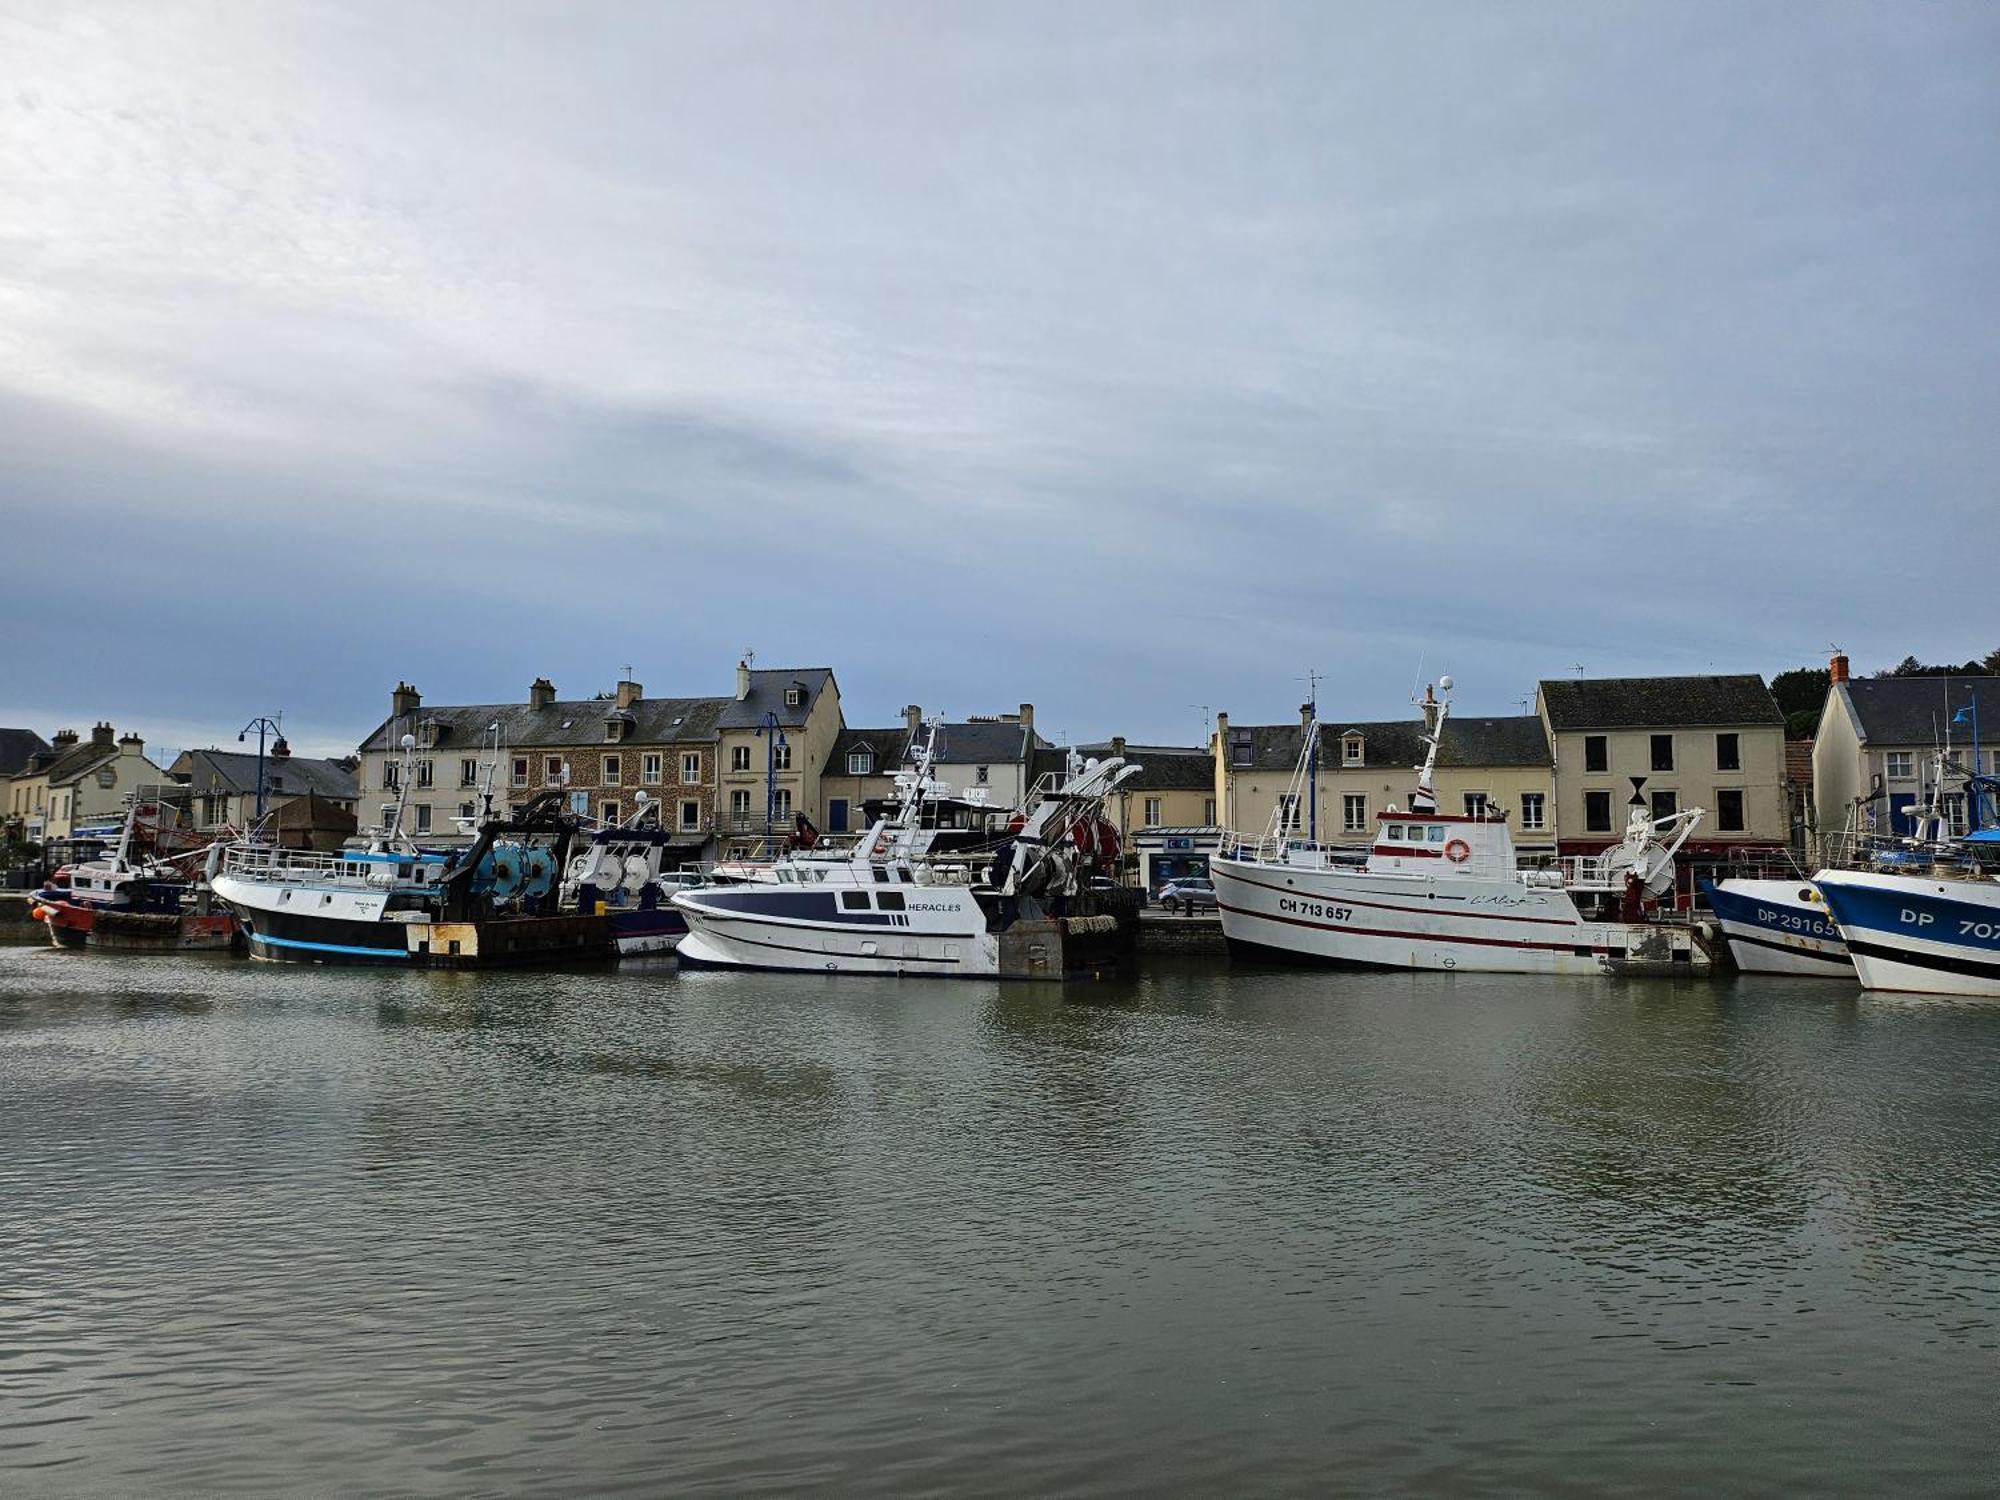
point(1457, 851)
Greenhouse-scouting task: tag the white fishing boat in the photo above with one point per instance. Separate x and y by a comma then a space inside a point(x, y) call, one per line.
point(1778, 927)
point(1444, 891)
point(891, 904)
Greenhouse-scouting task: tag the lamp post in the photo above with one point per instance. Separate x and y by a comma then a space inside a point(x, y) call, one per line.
point(263, 726)
point(773, 735)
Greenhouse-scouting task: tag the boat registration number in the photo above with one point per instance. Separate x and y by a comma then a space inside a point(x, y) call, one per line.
point(1297, 908)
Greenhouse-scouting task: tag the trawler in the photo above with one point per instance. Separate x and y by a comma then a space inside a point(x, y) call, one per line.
point(137, 894)
point(1443, 891)
point(899, 903)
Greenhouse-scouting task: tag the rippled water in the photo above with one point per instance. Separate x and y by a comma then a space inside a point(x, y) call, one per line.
point(637, 1231)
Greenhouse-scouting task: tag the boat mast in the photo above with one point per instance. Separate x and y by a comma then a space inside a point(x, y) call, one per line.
point(1436, 711)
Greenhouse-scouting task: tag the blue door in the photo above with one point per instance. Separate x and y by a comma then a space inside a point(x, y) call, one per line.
point(836, 815)
point(1900, 821)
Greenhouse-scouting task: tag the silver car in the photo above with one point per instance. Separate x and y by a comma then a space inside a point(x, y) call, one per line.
point(1190, 894)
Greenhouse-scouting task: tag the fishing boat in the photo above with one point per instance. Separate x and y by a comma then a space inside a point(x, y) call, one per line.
point(895, 904)
point(135, 894)
point(618, 874)
point(1778, 927)
point(1445, 891)
point(392, 903)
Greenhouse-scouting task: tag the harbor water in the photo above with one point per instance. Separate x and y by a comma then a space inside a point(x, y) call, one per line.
point(1216, 1231)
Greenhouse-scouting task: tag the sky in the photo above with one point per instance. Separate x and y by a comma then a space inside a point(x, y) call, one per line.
point(1137, 361)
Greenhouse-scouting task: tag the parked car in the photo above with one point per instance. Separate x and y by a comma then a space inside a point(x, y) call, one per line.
point(1190, 894)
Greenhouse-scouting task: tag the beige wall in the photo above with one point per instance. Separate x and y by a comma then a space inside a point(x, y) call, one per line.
point(810, 746)
point(95, 797)
point(1694, 780)
point(1179, 808)
point(1250, 798)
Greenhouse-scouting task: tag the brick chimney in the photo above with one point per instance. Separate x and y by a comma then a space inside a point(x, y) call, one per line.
point(102, 736)
point(405, 701)
point(1836, 670)
point(65, 739)
point(132, 742)
point(541, 693)
point(1222, 732)
point(742, 681)
point(1305, 715)
point(280, 750)
point(1028, 715)
point(1117, 747)
point(913, 716)
point(629, 693)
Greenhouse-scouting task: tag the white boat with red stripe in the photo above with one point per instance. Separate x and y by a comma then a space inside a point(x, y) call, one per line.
point(1445, 891)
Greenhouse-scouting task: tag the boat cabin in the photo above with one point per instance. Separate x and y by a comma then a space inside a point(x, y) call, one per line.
point(1433, 843)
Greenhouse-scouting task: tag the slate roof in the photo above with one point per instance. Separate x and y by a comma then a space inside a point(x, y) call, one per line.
point(1163, 768)
point(888, 745)
point(767, 695)
point(1658, 702)
point(16, 746)
point(986, 743)
point(1397, 744)
point(235, 771)
point(462, 728)
point(1913, 711)
point(74, 763)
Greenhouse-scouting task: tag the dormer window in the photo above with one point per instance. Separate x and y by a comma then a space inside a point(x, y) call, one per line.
point(611, 728)
point(861, 763)
point(1350, 750)
point(794, 696)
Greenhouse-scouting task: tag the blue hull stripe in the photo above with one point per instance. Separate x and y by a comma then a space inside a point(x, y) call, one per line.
point(1892, 913)
point(1978, 968)
point(1838, 957)
point(281, 942)
point(1769, 916)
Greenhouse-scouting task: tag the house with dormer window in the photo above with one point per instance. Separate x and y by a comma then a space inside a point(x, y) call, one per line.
point(776, 743)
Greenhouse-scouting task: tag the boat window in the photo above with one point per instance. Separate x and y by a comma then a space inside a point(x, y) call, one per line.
point(890, 901)
point(1396, 832)
point(854, 900)
point(881, 876)
point(1437, 833)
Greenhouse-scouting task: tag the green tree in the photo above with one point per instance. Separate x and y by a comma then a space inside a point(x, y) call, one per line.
point(1801, 694)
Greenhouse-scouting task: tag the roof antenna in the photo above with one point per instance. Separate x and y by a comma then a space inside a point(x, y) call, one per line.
point(1578, 669)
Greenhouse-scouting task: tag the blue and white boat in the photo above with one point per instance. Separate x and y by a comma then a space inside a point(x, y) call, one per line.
point(1936, 933)
point(1778, 927)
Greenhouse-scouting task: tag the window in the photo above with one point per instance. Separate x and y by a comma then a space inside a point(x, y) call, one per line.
point(739, 757)
point(691, 768)
point(781, 804)
point(613, 771)
point(1728, 752)
point(1153, 805)
point(552, 770)
point(468, 772)
point(1534, 811)
point(739, 804)
point(1596, 753)
point(1208, 812)
point(836, 815)
point(392, 776)
point(1288, 808)
point(612, 729)
point(426, 773)
point(1597, 812)
point(388, 814)
point(794, 697)
point(1242, 751)
point(1475, 804)
point(467, 810)
point(861, 763)
point(651, 767)
point(854, 901)
point(781, 756)
point(1395, 833)
point(1954, 812)
point(609, 810)
point(890, 901)
point(1436, 832)
point(1350, 750)
point(690, 815)
point(1663, 752)
point(1666, 804)
point(1353, 812)
point(1729, 810)
point(579, 803)
point(422, 813)
point(520, 770)
point(1900, 764)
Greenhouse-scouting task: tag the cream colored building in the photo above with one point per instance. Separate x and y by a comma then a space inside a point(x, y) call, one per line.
point(1499, 764)
point(775, 743)
point(79, 783)
point(1671, 743)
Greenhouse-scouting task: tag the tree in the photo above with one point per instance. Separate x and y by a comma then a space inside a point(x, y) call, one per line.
point(1992, 662)
point(1801, 694)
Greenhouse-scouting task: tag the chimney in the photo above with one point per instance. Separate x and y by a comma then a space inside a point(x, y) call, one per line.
point(65, 739)
point(281, 750)
point(132, 742)
point(913, 716)
point(742, 681)
point(629, 693)
point(541, 693)
point(405, 701)
point(1837, 668)
point(1222, 730)
point(1028, 715)
point(101, 735)
point(1305, 715)
point(1117, 747)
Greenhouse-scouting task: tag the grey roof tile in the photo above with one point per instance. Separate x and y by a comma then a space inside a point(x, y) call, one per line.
point(1914, 710)
point(1658, 702)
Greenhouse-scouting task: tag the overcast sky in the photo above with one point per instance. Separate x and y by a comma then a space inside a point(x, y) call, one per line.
point(1126, 359)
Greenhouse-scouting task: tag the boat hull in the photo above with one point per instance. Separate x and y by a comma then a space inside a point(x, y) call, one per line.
point(74, 924)
point(1778, 927)
point(654, 930)
point(941, 932)
point(1918, 934)
point(1356, 919)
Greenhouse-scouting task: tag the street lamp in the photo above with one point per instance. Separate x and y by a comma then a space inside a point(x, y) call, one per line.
point(263, 726)
point(773, 735)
